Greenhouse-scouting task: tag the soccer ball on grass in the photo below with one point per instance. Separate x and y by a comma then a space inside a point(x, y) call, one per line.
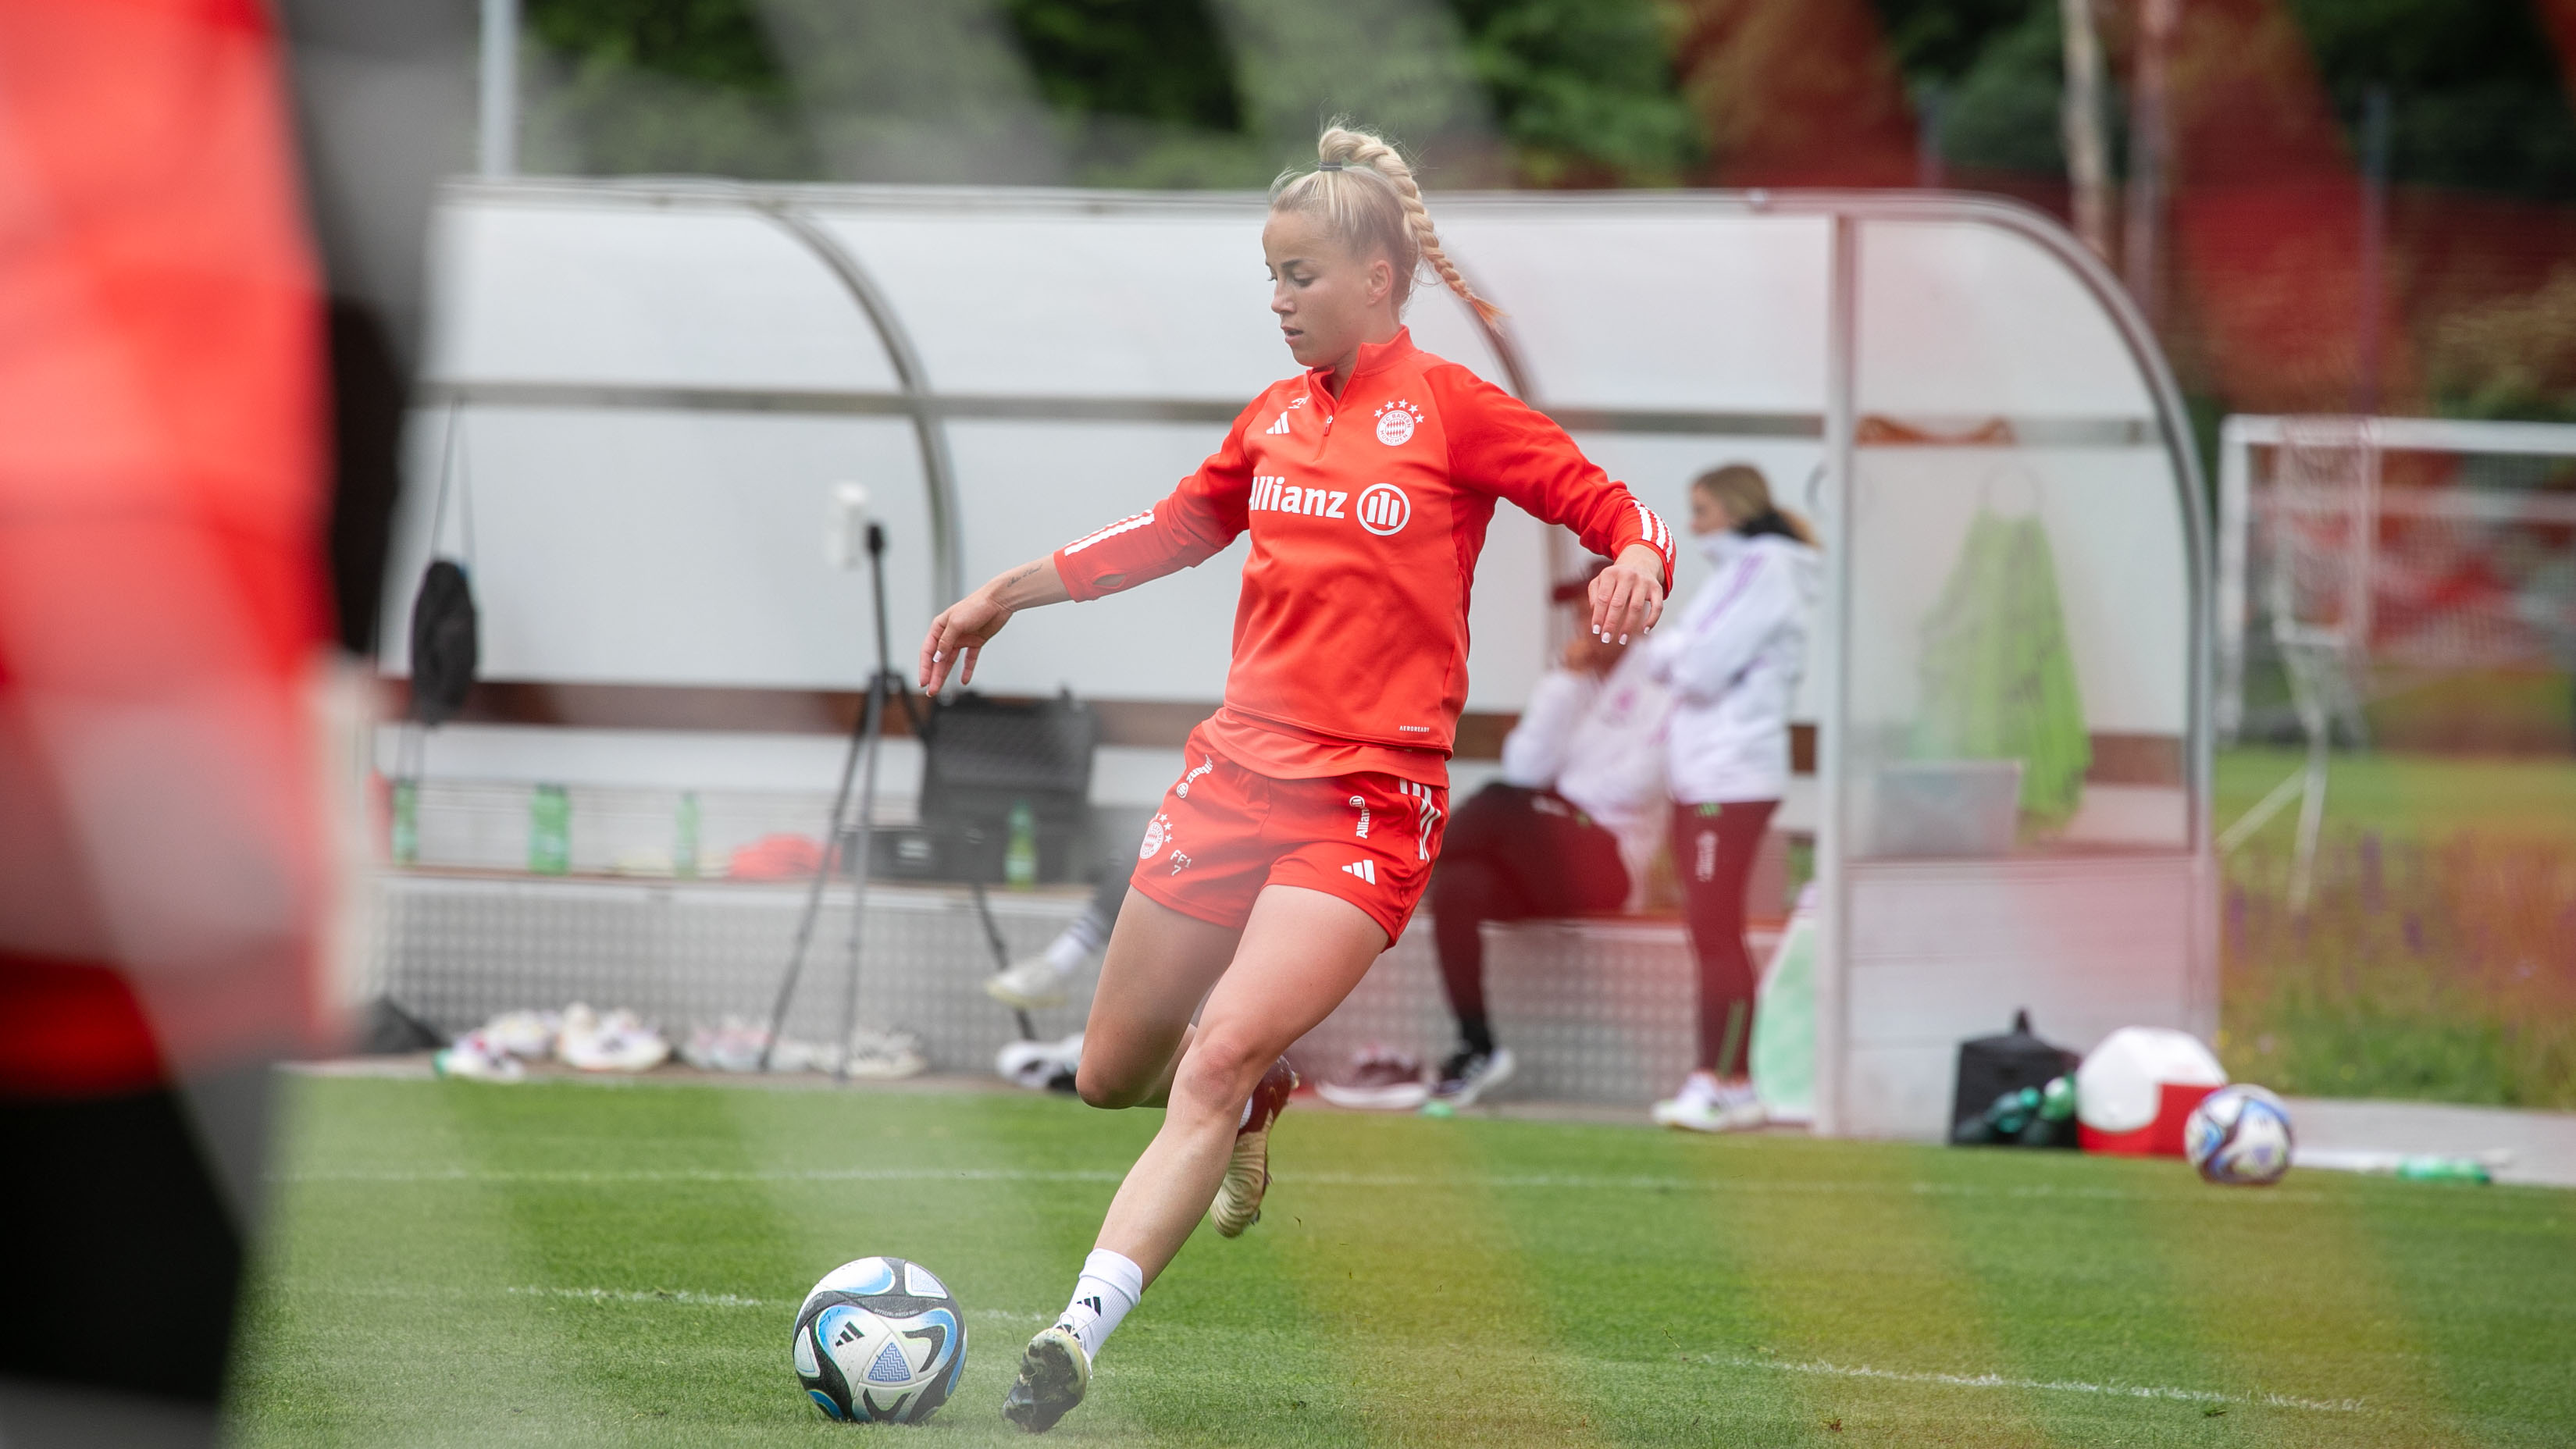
point(2239, 1135)
point(879, 1341)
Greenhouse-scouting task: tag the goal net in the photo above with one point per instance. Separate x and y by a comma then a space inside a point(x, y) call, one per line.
point(2370, 554)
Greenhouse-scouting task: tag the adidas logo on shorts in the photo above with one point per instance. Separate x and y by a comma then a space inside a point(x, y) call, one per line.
point(1364, 869)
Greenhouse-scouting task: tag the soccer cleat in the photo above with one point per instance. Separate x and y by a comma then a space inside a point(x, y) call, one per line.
point(1247, 1176)
point(1033, 984)
point(1706, 1105)
point(1471, 1074)
point(1054, 1375)
point(1379, 1080)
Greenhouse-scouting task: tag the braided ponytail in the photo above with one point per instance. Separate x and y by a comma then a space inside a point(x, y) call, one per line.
point(1366, 193)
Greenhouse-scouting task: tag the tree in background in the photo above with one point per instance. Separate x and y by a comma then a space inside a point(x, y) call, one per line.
point(1725, 92)
point(1103, 92)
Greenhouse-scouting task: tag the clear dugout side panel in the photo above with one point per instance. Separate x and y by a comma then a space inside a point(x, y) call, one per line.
point(2020, 670)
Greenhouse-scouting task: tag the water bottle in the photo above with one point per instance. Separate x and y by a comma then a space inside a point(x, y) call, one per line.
point(406, 827)
point(684, 848)
point(1020, 858)
point(2443, 1169)
point(549, 831)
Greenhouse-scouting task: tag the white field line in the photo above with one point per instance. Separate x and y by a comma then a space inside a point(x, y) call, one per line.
point(1575, 1181)
point(2055, 1386)
point(688, 1298)
point(682, 1297)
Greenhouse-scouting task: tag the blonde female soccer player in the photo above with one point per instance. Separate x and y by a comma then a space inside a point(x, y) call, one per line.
point(1303, 828)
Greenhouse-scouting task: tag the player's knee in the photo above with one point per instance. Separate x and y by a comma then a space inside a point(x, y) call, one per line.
point(1099, 1088)
point(1219, 1071)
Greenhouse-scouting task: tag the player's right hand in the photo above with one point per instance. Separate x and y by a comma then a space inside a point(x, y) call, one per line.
point(957, 636)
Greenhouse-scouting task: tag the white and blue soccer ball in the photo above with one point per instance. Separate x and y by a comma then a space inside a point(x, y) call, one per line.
point(2239, 1135)
point(879, 1341)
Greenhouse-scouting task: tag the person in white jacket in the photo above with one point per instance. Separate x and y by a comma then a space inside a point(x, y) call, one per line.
point(1732, 660)
point(1569, 828)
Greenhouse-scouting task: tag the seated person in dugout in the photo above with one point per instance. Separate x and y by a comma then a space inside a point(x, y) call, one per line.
point(1569, 829)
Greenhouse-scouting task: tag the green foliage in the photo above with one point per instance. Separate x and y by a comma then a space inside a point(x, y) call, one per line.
point(709, 42)
point(1584, 88)
point(1112, 92)
point(1156, 60)
point(2437, 958)
point(2476, 97)
point(1943, 40)
point(662, 86)
point(2001, 112)
point(577, 1264)
point(2514, 357)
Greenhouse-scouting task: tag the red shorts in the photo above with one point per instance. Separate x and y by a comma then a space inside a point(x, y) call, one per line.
point(1225, 832)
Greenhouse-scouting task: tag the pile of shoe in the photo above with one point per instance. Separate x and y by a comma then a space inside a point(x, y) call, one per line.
point(577, 1036)
point(734, 1045)
point(612, 1042)
point(885, 1055)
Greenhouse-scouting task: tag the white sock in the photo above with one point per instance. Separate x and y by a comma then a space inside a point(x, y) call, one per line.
point(1067, 952)
point(1110, 1285)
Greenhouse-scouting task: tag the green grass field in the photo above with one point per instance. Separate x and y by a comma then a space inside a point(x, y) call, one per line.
point(569, 1263)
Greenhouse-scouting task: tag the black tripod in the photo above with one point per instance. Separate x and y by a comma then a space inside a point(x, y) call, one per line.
point(864, 742)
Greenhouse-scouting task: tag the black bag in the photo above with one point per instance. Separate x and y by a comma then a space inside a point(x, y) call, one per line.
point(981, 757)
point(1989, 1067)
point(444, 647)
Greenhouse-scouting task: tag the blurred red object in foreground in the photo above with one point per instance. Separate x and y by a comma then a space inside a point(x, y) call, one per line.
point(162, 868)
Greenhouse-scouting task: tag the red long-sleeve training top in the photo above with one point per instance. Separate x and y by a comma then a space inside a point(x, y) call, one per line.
point(1367, 513)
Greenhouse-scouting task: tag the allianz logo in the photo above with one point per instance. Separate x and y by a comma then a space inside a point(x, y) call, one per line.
point(1382, 509)
point(1277, 495)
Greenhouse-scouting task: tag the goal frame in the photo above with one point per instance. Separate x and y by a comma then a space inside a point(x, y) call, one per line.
point(2239, 434)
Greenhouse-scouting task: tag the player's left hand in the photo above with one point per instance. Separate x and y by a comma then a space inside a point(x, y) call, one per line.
point(1628, 596)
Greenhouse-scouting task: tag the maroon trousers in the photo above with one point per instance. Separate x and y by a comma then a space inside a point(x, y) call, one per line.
point(1713, 848)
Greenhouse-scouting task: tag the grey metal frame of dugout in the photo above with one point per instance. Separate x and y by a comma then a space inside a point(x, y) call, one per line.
point(1849, 213)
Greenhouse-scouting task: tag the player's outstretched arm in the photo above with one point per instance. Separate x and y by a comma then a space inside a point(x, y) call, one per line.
point(962, 629)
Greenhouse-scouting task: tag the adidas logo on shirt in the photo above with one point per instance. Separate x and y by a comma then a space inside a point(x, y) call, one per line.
point(1364, 869)
point(1278, 429)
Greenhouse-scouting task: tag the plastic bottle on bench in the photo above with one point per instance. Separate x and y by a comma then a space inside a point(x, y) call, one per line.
point(1020, 857)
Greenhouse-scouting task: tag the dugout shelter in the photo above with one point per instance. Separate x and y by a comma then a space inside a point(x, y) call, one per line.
point(655, 384)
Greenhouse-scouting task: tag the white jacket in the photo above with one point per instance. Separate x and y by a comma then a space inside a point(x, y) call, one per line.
point(1599, 742)
point(1732, 660)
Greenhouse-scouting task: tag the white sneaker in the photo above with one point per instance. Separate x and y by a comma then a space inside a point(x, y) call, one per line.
point(732, 1045)
point(1471, 1074)
point(1030, 984)
point(1040, 1065)
point(475, 1059)
point(1379, 1080)
point(616, 1042)
point(528, 1035)
point(885, 1055)
point(1705, 1104)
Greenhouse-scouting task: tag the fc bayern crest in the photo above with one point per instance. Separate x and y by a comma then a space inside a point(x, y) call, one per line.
point(1395, 422)
point(1156, 832)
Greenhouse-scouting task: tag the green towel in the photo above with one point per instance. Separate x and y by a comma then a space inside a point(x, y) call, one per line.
point(1998, 680)
point(1782, 1057)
